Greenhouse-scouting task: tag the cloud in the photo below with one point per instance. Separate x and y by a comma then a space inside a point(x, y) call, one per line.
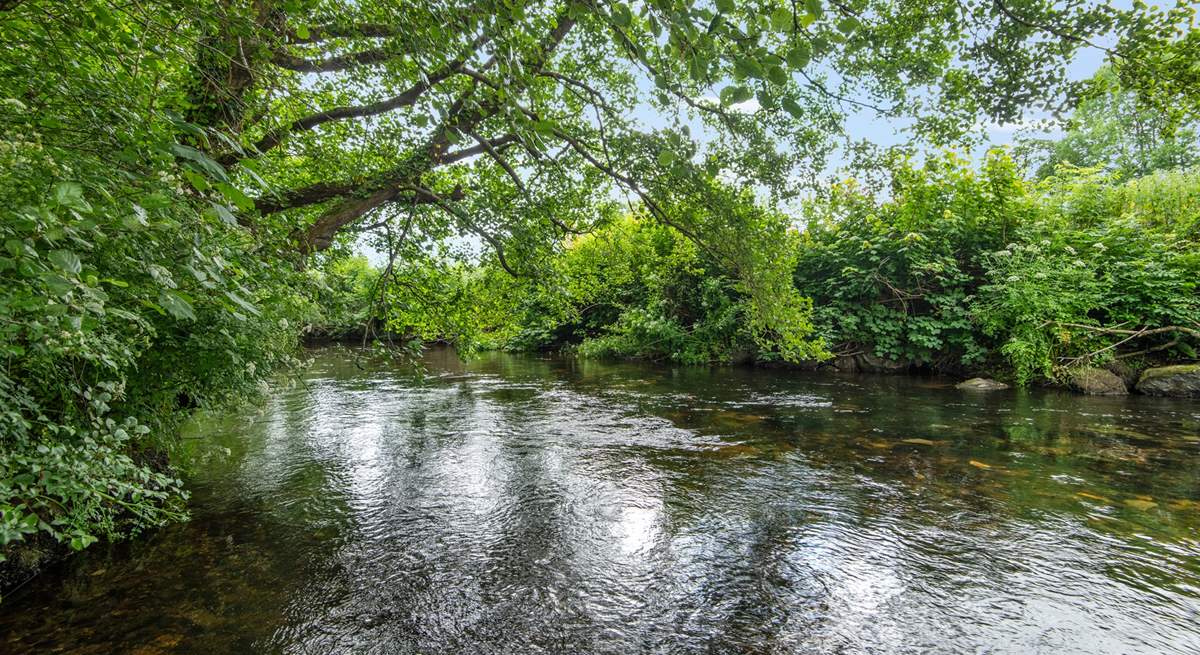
point(748, 107)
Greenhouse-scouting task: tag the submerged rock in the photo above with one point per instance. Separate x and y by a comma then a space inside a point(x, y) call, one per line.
point(846, 363)
point(1181, 381)
point(981, 384)
point(1097, 382)
point(875, 364)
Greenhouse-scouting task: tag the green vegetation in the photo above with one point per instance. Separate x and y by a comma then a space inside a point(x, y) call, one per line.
point(1112, 129)
point(961, 270)
point(187, 184)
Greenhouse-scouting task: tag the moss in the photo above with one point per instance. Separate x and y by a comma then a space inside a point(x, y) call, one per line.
point(1165, 371)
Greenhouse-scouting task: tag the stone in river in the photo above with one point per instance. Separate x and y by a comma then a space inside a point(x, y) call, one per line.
point(981, 384)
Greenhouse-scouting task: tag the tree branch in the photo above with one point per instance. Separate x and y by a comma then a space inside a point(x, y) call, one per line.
point(459, 120)
point(469, 224)
point(331, 64)
point(406, 98)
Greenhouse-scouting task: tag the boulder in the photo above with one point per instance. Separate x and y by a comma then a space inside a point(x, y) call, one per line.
point(846, 363)
point(1181, 381)
point(1125, 371)
point(981, 384)
point(870, 363)
point(1096, 382)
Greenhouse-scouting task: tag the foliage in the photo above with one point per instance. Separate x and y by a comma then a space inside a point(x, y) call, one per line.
point(1101, 256)
point(897, 279)
point(127, 293)
point(963, 270)
point(1112, 129)
point(344, 295)
point(639, 289)
point(633, 289)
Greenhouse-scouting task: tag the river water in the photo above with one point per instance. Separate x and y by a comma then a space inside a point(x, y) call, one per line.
point(526, 505)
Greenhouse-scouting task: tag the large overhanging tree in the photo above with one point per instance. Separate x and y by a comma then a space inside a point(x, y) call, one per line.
point(497, 112)
point(313, 121)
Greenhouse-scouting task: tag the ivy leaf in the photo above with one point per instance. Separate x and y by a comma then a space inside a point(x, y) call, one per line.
point(176, 305)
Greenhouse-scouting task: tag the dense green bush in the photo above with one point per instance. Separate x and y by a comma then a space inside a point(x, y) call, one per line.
point(128, 295)
point(1102, 271)
point(897, 279)
point(966, 270)
point(636, 289)
point(961, 269)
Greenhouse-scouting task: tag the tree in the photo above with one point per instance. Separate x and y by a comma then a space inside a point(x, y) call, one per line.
point(356, 110)
point(1112, 129)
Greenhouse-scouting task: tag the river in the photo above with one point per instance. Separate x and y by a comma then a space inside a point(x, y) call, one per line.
point(517, 504)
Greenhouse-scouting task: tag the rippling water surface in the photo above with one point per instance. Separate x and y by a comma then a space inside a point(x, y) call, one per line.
point(524, 505)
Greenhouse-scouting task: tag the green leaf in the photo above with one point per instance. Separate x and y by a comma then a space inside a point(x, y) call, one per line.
point(793, 108)
point(777, 75)
point(731, 95)
point(196, 180)
point(242, 302)
point(622, 16)
point(236, 196)
point(799, 56)
point(70, 194)
point(224, 213)
point(814, 8)
point(135, 220)
point(65, 260)
point(176, 305)
point(666, 158)
point(59, 285)
point(206, 164)
point(726, 6)
point(302, 32)
point(781, 19)
point(748, 67)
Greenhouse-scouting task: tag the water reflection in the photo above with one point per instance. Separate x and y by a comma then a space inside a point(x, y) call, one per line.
point(537, 505)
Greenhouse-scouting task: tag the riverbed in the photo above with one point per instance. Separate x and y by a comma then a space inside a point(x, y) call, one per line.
point(520, 504)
